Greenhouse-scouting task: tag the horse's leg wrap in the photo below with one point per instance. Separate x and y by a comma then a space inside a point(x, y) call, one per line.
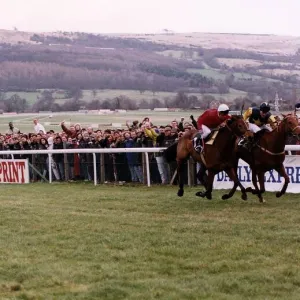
point(197, 142)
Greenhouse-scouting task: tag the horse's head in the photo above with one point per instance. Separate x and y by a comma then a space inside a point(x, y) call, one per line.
point(237, 125)
point(290, 125)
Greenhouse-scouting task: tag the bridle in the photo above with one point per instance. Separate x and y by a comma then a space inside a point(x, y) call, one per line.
point(283, 152)
point(293, 129)
point(235, 134)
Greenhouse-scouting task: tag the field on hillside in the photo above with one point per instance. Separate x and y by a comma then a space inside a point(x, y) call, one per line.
point(271, 44)
point(118, 120)
point(77, 241)
point(238, 62)
point(136, 95)
point(221, 75)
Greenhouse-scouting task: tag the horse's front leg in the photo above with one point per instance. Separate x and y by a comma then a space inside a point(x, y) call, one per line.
point(282, 173)
point(180, 173)
point(254, 191)
point(232, 174)
point(208, 187)
point(201, 175)
point(261, 190)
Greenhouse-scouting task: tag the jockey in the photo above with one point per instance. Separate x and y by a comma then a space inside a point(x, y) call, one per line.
point(297, 108)
point(210, 119)
point(257, 118)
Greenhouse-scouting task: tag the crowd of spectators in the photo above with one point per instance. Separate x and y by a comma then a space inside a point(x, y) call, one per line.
point(121, 167)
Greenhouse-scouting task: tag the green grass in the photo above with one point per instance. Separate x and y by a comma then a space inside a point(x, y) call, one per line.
point(76, 241)
point(219, 75)
point(31, 97)
point(212, 73)
point(135, 95)
point(245, 76)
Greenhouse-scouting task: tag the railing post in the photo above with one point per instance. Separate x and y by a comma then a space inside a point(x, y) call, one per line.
point(102, 168)
point(95, 168)
point(50, 167)
point(66, 164)
point(34, 177)
point(147, 168)
point(144, 167)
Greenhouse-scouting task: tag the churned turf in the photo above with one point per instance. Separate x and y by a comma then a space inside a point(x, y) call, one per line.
point(77, 241)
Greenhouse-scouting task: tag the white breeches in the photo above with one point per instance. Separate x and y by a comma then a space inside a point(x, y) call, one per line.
point(206, 131)
point(254, 128)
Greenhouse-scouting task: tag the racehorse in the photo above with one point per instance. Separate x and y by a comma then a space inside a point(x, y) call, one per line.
point(268, 154)
point(215, 157)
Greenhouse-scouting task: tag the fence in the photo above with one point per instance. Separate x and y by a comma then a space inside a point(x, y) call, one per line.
point(93, 151)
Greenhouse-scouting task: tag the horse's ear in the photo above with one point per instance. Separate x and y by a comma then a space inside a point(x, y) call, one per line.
point(229, 121)
point(283, 115)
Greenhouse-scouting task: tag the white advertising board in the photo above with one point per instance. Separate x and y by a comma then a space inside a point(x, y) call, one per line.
point(14, 171)
point(273, 182)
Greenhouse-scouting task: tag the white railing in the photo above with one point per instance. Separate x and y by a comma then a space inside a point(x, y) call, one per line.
point(94, 151)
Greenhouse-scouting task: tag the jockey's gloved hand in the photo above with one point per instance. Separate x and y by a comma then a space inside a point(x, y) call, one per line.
point(192, 117)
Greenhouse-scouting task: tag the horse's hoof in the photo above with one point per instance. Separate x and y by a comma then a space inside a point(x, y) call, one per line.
point(201, 194)
point(209, 197)
point(278, 194)
point(180, 193)
point(244, 196)
point(225, 197)
point(262, 200)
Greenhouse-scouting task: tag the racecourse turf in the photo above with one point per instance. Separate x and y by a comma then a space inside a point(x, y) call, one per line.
point(77, 241)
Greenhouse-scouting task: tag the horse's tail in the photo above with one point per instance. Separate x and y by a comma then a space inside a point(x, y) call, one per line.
point(170, 153)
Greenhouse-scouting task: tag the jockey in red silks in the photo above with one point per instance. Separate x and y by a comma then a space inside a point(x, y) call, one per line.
point(210, 119)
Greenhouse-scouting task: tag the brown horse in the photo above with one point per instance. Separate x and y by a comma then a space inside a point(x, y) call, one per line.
point(216, 157)
point(268, 154)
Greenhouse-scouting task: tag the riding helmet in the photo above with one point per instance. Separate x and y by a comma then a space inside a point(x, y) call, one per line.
point(264, 107)
point(223, 108)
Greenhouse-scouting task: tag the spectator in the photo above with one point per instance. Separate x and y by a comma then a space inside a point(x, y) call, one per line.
point(38, 127)
point(165, 139)
point(70, 132)
point(12, 129)
point(59, 158)
point(134, 159)
point(150, 135)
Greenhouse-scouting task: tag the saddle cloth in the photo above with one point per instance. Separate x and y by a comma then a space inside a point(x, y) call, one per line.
point(211, 138)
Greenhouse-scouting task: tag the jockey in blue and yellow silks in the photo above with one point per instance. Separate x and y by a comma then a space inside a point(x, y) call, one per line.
point(259, 117)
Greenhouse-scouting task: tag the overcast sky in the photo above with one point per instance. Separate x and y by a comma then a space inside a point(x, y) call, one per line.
point(151, 16)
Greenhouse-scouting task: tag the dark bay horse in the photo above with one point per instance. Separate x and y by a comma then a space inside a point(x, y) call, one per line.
point(217, 157)
point(268, 154)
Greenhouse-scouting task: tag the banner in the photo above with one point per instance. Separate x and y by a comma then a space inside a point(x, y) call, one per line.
point(273, 182)
point(14, 171)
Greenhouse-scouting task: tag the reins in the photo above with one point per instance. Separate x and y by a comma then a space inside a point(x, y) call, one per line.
point(269, 152)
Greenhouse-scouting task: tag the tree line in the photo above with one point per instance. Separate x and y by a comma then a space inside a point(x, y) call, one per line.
point(74, 102)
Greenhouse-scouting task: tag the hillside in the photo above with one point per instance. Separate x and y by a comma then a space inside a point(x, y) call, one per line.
point(268, 44)
point(265, 44)
point(182, 70)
